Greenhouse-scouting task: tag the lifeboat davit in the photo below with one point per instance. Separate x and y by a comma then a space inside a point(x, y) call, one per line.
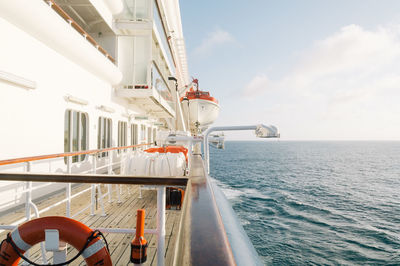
point(199, 108)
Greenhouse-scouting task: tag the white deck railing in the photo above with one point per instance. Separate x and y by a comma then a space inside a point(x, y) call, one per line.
point(107, 166)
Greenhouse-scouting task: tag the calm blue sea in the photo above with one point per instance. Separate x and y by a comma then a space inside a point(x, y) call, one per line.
point(313, 203)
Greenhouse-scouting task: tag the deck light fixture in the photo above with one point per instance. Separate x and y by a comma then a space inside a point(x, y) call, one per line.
point(17, 80)
point(77, 100)
point(106, 109)
point(141, 117)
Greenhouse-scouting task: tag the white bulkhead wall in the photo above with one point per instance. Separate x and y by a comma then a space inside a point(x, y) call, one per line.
point(38, 20)
point(32, 120)
point(32, 117)
point(35, 124)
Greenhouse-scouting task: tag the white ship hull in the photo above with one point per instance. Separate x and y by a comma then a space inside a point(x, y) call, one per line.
point(200, 112)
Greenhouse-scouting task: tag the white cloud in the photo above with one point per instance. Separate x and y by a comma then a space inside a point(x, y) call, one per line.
point(350, 65)
point(213, 39)
point(349, 53)
point(256, 86)
point(345, 86)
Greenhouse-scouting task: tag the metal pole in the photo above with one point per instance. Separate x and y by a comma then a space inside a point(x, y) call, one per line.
point(103, 213)
point(28, 200)
point(109, 189)
point(92, 199)
point(110, 160)
point(119, 186)
point(160, 225)
point(118, 193)
point(28, 193)
point(93, 191)
point(68, 191)
point(109, 186)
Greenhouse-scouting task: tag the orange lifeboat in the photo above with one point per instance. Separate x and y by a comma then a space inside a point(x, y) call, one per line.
point(199, 108)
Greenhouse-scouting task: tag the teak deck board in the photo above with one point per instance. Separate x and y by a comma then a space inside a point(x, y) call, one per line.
point(119, 215)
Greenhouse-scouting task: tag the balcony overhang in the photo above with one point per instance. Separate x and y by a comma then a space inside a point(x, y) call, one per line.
point(149, 99)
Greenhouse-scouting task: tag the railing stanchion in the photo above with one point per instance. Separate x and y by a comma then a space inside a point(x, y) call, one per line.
point(92, 199)
point(118, 187)
point(109, 188)
point(120, 162)
point(28, 200)
point(100, 195)
point(160, 225)
point(93, 190)
point(69, 186)
point(28, 193)
point(119, 193)
point(109, 171)
point(120, 172)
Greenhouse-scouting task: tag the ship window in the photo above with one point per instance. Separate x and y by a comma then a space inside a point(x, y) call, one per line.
point(122, 135)
point(149, 135)
point(143, 133)
point(134, 135)
point(104, 134)
point(75, 134)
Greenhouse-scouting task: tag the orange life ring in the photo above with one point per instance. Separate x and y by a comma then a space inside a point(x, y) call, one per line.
point(70, 231)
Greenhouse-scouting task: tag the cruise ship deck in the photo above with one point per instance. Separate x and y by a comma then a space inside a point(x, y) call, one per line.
point(118, 215)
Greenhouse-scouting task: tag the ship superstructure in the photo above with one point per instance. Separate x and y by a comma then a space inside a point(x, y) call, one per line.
point(90, 101)
point(93, 57)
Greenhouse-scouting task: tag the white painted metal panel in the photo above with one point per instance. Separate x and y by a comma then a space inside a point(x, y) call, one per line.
point(40, 21)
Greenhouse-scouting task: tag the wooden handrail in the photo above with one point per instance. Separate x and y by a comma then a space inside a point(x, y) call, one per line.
point(96, 179)
point(78, 28)
point(65, 154)
point(202, 238)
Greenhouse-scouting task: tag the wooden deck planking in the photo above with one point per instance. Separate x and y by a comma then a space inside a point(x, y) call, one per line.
point(119, 215)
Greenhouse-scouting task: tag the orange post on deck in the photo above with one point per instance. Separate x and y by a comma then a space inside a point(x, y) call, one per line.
point(139, 243)
point(140, 223)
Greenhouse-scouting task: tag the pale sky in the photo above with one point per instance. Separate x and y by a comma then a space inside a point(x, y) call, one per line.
point(318, 70)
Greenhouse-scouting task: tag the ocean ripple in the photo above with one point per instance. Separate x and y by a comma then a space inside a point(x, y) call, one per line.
point(315, 203)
